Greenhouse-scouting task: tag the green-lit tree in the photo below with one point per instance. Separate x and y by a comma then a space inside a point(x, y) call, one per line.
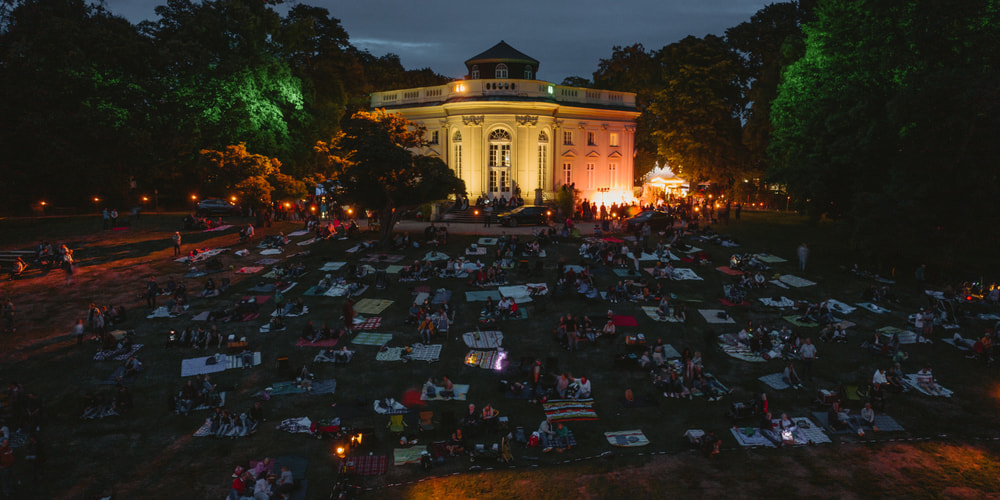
point(374, 163)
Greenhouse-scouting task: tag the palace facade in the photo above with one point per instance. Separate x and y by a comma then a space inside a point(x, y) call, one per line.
point(501, 130)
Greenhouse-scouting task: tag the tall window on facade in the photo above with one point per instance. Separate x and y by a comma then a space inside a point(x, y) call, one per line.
point(475, 72)
point(543, 154)
point(457, 139)
point(613, 139)
point(591, 138)
point(434, 138)
point(612, 175)
point(590, 176)
point(527, 73)
point(499, 148)
point(567, 138)
point(567, 174)
point(501, 71)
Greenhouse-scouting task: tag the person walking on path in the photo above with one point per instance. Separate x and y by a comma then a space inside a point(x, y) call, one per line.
point(803, 254)
point(808, 355)
point(177, 243)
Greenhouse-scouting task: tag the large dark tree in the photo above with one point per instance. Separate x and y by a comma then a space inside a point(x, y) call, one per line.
point(634, 69)
point(376, 168)
point(77, 88)
point(890, 119)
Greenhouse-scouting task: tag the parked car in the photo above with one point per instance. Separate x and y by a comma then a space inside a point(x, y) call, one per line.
point(656, 220)
point(525, 214)
point(216, 206)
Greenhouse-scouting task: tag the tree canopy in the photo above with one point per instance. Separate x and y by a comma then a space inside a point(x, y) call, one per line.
point(374, 164)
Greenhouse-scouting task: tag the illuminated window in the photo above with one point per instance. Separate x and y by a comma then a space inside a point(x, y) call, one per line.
point(475, 72)
point(501, 71)
point(458, 160)
point(591, 138)
point(613, 139)
point(434, 138)
point(543, 154)
point(590, 176)
point(527, 73)
point(612, 175)
point(567, 138)
point(499, 148)
point(567, 173)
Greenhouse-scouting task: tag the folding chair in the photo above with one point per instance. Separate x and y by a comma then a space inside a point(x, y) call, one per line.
point(396, 424)
point(426, 420)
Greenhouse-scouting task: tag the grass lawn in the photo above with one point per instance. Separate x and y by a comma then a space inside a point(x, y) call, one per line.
point(151, 453)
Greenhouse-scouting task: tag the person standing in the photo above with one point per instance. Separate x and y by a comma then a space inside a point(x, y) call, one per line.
point(808, 354)
point(803, 252)
point(106, 214)
point(152, 289)
point(489, 215)
point(920, 275)
point(114, 218)
point(177, 243)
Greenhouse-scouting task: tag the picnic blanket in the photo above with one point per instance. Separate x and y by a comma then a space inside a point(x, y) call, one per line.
point(441, 296)
point(117, 354)
point(461, 393)
point(310, 241)
point(487, 241)
point(750, 437)
point(742, 353)
point(268, 261)
point(778, 284)
point(403, 456)
point(626, 438)
point(305, 310)
point(783, 302)
point(339, 290)
point(487, 360)
point(434, 255)
point(905, 336)
point(568, 410)
point(621, 320)
point(420, 298)
point(301, 342)
point(770, 259)
point(367, 465)
point(716, 316)
point(369, 323)
point(840, 307)
point(318, 387)
point(372, 306)
point(885, 423)
point(490, 339)
point(573, 267)
point(795, 281)
point(475, 251)
point(389, 406)
point(520, 293)
point(795, 321)
point(270, 251)
point(625, 273)
point(332, 266)
point(382, 257)
point(482, 295)
point(300, 232)
point(249, 269)
point(421, 352)
point(669, 352)
point(162, 312)
point(201, 255)
point(651, 311)
point(197, 366)
point(823, 419)
point(911, 380)
point(775, 381)
point(730, 271)
point(202, 316)
point(390, 354)
point(218, 228)
point(369, 338)
point(961, 344)
point(684, 273)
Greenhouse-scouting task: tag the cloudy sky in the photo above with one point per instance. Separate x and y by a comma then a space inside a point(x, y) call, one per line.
point(567, 37)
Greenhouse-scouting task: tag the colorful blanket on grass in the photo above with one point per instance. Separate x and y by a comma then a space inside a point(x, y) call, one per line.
point(490, 339)
point(568, 410)
point(117, 354)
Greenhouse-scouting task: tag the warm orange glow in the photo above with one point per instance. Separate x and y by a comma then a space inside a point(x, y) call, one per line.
point(313, 208)
point(233, 198)
point(548, 212)
point(350, 211)
point(43, 203)
point(287, 204)
point(145, 198)
point(475, 212)
point(194, 197)
point(341, 451)
point(460, 87)
point(96, 199)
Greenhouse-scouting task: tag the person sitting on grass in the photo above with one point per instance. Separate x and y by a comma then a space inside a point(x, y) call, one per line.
point(583, 390)
point(456, 445)
point(833, 417)
point(17, 268)
point(925, 381)
point(710, 444)
point(791, 377)
point(866, 418)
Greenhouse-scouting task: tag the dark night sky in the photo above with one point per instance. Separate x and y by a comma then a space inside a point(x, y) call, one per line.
point(568, 37)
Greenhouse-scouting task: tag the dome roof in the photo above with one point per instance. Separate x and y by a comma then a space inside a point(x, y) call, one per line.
point(502, 52)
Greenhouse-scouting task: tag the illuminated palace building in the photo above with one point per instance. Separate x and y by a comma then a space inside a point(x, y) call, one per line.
point(501, 129)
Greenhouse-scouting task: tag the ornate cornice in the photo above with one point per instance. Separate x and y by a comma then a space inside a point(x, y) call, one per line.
point(473, 120)
point(527, 120)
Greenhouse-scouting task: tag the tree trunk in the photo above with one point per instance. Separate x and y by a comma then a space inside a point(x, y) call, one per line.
point(390, 216)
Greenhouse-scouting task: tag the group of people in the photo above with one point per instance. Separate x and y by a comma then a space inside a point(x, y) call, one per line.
point(261, 482)
point(569, 330)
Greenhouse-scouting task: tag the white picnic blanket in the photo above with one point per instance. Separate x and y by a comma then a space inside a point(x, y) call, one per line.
point(795, 281)
point(712, 316)
point(684, 273)
point(770, 259)
point(490, 339)
point(270, 251)
point(332, 266)
point(840, 307)
point(336, 291)
point(300, 232)
point(911, 380)
point(434, 255)
point(427, 353)
point(875, 308)
point(783, 302)
point(198, 366)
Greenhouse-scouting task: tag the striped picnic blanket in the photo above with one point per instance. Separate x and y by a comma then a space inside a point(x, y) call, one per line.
point(489, 339)
point(568, 410)
point(485, 359)
point(369, 338)
point(117, 354)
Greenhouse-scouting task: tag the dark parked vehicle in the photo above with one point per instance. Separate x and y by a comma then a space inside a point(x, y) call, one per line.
point(655, 219)
point(215, 206)
point(526, 214)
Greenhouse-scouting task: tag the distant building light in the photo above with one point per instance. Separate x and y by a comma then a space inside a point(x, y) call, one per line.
point(551, 90)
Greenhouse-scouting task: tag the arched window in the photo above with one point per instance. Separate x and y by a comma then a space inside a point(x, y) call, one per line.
point(543, 137)
point(499, 135)
point(527, 72)
point(457, 137)
point(501, 71)
point(475, 72)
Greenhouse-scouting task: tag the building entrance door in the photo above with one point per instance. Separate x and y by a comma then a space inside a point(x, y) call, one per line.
point(499, 183)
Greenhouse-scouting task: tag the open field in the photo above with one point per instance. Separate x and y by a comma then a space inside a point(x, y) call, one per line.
point(150, 452)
